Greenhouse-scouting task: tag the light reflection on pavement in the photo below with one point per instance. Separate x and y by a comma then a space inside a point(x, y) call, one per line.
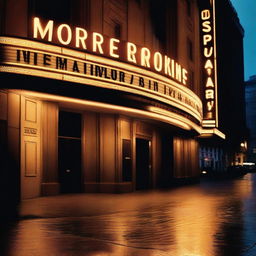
point(214, 218)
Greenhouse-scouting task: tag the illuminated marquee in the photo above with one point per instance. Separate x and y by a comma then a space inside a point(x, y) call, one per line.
point(34, 58)
point(210, 77)
point(97, 43)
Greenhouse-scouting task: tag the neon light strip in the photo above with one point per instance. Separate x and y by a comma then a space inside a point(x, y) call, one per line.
point(94, 58)
point(208, 122)
point(215, 66)
point(181, 118)
point(174, 119)
point(106, 83)
point(138, 70)
point(57, 74)
point(214, 131)
point(153, 113)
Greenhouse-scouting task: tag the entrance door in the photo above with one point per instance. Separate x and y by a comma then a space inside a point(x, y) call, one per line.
point(143, 164)
point(69, 152)
point(166, 174)
point(127, 163)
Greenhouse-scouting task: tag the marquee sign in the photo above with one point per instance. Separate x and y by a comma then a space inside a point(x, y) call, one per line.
point(28, 57)
point(210, 110)
point(94, 42)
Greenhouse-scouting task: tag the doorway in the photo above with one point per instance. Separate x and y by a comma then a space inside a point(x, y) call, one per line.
point(166, 173)
point(69, 152)
point(143, 164)
point(126, 161)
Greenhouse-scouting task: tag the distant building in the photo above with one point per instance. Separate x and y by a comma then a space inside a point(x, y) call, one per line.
point(250, 96)
point(232, 113)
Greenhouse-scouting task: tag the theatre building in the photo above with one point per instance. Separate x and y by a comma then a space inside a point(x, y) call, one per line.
point(103, 96)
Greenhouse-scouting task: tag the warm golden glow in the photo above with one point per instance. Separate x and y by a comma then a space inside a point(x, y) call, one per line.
point(196, 239)
point(148, 73)
point(207, 26)
point(185, 76)
point(153, 113)
point(208, 53)
point(209, 94)
point(215, 64)
point(178, 72)
point(112, 47)
point(167, 68)
point(43, 32)
point(166, 91)
point(209, 39)
point(97, 41)
point(243, 145)
point(172, 118)
point(178, 117)
point(145, 57)
point(81, 36)
point(210, 132)
point(158, 61)
point(109, 47)
point(205, 15)
point(81, 80)
point(209, 82)
point(201, 131)
point(131, 51)
point(66, 28)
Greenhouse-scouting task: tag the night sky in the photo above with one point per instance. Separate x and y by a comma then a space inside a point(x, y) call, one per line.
point(246, 10)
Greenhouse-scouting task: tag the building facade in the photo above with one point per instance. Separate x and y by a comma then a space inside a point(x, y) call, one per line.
point(250, 93)
point(218, 154)
point(104, 96)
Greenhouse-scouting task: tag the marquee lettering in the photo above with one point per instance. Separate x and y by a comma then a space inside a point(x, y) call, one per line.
point(210, 111)
point(97, 43)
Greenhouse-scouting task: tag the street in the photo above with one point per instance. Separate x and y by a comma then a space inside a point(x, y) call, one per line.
point(213, 218)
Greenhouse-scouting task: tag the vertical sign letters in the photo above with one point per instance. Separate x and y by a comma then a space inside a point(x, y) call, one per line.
point(209, 68)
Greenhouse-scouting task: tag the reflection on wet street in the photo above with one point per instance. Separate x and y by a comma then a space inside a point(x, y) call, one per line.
point(213, 218)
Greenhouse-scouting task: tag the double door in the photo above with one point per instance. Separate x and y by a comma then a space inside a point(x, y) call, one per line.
point(143, 164)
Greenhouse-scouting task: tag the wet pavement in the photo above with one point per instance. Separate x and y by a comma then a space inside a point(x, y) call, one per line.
point(213, 218)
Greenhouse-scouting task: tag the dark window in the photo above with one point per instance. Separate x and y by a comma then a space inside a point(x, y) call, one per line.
point(2, 15)
point(158, 17)
point(190, 50)
point(69, 124)
point(58, 10)
point(189, 10)
point(117, 30)
point(191, 77)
